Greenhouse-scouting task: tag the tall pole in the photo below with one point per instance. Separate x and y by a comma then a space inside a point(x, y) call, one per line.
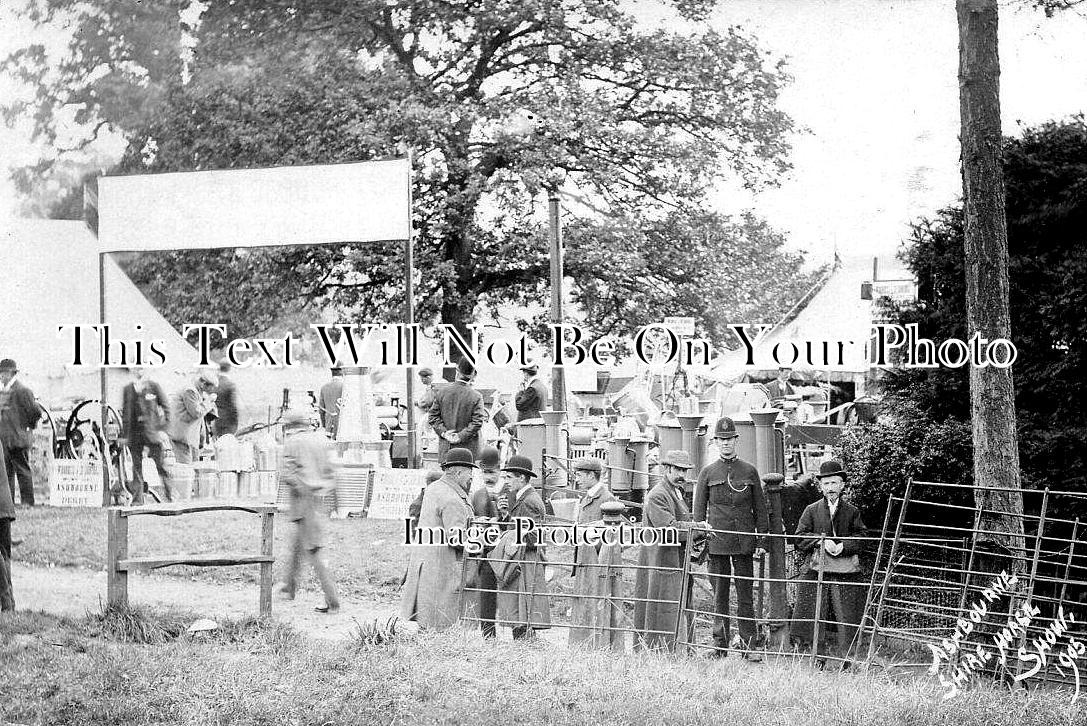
point(558, 384)
point(103, 385)
point(409, 316)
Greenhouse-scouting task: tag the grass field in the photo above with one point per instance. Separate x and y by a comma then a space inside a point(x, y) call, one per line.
point(58, 671)
point(364, 555)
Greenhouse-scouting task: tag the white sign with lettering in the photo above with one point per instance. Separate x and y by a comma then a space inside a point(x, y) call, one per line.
point(393, 491)
point(75, 483)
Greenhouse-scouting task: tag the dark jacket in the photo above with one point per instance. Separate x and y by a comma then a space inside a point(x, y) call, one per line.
point(131, 413)
point(729, 496)
point(7, 505)
point(458, 408)
point(530, 400)
point(816, 521)
point(18, 416)
point(227, 403)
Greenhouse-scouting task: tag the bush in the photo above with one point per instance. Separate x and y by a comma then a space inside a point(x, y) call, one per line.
point(904, 445)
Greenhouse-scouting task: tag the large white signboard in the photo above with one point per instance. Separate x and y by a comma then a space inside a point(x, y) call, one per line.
point(363, 202)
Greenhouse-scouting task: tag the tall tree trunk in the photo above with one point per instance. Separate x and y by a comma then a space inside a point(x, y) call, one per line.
point(992, 390)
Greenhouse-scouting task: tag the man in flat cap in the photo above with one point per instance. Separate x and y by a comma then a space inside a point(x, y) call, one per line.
point(433, 595)
point(531, 398)
point(659, 583)
point(729, 496)
point(19, 414)
point(594, 493)
point(523, 601)
point(457, 414)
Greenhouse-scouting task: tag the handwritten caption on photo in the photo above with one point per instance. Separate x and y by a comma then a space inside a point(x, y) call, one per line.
point(954, 672)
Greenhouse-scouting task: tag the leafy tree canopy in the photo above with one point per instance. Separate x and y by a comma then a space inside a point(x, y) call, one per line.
point(1046, 176)
point(497, 100)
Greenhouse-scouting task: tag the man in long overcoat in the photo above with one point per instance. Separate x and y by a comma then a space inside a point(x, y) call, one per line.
point(594, 493)
point(729, 496)
point(433, 595)
point(523, 601)
point(659, 583)
point(457, 414)
point(844, 586)
point(19, 414)
point(7, 516)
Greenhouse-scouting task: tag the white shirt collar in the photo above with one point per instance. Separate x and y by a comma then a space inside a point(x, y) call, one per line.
point(594, 490)
point(523, 491)
point(833, 507)
point(9, 384)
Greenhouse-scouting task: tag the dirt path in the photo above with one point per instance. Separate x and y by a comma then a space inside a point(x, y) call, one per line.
point(74, 591)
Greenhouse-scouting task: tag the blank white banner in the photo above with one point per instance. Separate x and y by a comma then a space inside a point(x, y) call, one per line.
point(363, 202)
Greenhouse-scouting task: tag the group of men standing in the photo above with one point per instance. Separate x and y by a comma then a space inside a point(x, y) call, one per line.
point(729, 523)
point(206, 405)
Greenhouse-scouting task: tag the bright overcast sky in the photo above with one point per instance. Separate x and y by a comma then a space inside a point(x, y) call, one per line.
point(876, 86)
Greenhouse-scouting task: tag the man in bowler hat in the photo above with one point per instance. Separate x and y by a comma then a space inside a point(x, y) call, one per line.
point(729, 496)
point(523, 602)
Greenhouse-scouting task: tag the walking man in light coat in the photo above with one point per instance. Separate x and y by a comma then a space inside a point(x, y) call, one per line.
point(433, 593)
point(307, 470)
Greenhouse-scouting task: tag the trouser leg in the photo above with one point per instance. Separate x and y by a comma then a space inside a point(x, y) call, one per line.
point(848, 606)
point(743, 567)
point(154, 450)
point(20, 466)
point(9, 468)
point(7, 593)
point(325, 578)
point(720, 567)
point(136, 484)
point(488, 600)
point(294, 560)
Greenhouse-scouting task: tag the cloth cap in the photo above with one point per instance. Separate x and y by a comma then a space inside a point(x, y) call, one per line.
point(426, 372)
point(209, 377)
point(677, 458)
point(589, 463)
point(8, 365)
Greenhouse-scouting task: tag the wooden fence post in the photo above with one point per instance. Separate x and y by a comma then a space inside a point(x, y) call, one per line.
point(116, 550)
point(266, 548)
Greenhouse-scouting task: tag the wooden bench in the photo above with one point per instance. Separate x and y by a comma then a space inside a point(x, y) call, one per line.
point(119, 564)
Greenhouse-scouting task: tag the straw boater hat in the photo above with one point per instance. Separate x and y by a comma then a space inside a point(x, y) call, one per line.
point(520, 465)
